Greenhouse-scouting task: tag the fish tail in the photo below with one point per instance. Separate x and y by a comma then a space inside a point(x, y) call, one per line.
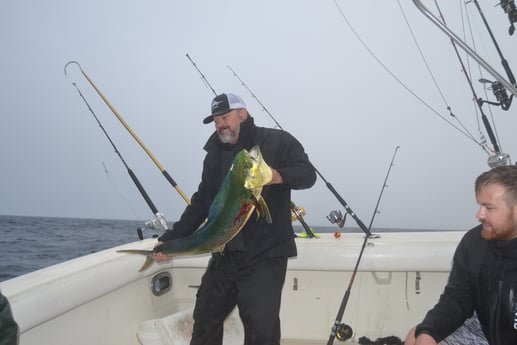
point(149, 258)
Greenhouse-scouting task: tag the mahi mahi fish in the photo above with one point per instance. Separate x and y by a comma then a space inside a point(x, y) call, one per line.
point(234, 203)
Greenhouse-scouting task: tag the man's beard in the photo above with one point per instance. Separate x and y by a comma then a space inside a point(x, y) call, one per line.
point(229, 137)
point(500, 233)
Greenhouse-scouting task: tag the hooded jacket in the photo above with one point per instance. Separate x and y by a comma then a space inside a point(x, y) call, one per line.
point(483, 278)
point(258, 239)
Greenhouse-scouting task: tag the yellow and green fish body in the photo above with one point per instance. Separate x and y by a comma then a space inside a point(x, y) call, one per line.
point(238, 197)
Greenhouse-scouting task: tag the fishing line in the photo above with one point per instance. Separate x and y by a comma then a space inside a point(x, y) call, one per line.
point(486, 123)
point(498, 158)
point(202, 75)
point(294, 209)
point(133, 134)
point(396, 78)
point(329, 186)
point(465, 14)
point(119, 192)
point(509, 86)
point(255, 97)
point(422, 55)
point(504, 62)
point(340, 330)
point(424, 59)
point(130, 172)
point(498, 89)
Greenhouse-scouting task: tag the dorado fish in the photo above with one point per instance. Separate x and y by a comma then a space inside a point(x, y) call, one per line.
point(234, 203)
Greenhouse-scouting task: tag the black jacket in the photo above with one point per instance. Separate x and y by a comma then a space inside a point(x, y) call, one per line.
point(280, 151)
point(483, 278)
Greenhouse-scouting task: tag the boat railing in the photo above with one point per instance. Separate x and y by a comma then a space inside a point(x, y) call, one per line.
point(465, 47)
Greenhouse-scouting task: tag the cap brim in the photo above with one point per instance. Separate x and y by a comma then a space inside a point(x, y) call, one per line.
point(210, 118)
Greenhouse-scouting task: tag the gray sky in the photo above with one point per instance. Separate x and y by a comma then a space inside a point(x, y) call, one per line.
point(299, 58)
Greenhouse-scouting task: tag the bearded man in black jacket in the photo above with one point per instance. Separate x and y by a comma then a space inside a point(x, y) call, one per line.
point(483, 277)
point(250, 272)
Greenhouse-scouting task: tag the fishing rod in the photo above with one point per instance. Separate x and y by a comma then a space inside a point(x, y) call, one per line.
point(299, 215)
point(509, 8)
point(486, 66)
point(160, 219)
point(479, 101)
point(498, 89)
point(294, 208)
point(327, 183)
point(384, 185)
point(341, 330)
point(133, 134)
point(256, 98)
point(499, 158)
point(202, 75)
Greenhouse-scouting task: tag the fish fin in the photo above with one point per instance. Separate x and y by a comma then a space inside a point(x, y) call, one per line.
point(219, 249)
point(136, 251)
point(262, 208)
point(149, 258)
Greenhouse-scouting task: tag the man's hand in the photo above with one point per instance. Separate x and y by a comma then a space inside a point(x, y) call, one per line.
point(276, 178)
point(161, 257)
point(425, 339)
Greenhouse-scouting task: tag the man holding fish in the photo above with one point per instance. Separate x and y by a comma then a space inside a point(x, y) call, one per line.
point(249, 269)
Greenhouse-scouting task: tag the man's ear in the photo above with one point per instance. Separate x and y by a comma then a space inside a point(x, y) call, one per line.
point(243, 114)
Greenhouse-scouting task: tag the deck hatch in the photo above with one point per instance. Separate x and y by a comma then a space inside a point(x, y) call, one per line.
point(161, 283)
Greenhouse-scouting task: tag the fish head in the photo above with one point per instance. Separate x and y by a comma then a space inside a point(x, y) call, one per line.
point(258, 172)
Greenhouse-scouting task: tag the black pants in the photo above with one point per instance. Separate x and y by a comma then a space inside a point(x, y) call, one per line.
point(255, 288)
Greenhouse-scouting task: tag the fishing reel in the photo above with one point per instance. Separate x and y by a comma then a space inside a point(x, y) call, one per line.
point(509, 8)
point(344, 332)
point(336, 217)
point(156, 223)
point(499, 159)
point(500, 93)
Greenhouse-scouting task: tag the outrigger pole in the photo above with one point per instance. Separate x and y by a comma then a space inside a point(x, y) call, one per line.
point(499, 85)
point(478, 100)
point(508, 85)
point(124, 123)
point(159, 216)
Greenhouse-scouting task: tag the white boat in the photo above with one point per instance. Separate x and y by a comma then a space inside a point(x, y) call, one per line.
point(102, 299)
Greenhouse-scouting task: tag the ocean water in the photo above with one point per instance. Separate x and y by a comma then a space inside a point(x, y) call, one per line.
point(31, 243)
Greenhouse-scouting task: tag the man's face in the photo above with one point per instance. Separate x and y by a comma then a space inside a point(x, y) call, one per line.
point(228, 126)
point(498, 218)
